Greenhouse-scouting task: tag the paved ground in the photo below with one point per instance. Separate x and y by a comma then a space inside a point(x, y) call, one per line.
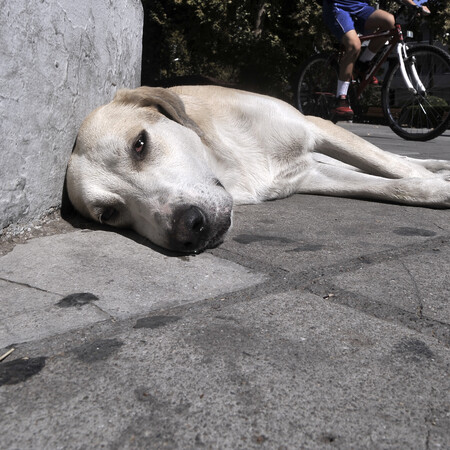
point(319, 323)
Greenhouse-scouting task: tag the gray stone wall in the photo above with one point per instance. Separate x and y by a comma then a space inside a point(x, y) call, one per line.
point(58, 61)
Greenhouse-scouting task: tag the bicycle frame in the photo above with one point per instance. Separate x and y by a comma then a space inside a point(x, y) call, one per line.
point(395, 38)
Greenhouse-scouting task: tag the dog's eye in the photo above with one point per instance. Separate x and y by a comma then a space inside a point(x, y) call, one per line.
point(108, 214)
point(139, 145)
point(218, 183)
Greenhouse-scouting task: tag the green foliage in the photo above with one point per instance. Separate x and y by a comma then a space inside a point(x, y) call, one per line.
point(253, 43)
point(439, 20)
point(258, 45)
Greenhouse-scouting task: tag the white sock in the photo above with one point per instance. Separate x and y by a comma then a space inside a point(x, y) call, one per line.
point(367, 55)
point(342, 88)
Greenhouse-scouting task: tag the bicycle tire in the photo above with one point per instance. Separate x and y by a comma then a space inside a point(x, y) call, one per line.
point(419, 117)
point(316, 86)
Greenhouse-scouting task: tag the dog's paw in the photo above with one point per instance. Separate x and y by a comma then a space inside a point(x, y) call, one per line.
point(432, 192)
point(438, 166)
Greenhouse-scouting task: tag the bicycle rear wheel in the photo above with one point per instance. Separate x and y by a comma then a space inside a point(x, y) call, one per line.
point(316, 85)
point(419, 116)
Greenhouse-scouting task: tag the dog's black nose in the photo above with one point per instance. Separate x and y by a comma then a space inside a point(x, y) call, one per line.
point(190, 229)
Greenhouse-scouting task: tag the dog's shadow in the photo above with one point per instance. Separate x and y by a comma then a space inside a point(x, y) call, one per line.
point(76, 220)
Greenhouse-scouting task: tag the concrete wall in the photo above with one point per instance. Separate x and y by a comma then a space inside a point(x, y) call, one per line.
point(58, 61)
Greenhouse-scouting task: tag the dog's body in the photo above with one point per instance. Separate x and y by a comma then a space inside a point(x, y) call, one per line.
point(169, 163)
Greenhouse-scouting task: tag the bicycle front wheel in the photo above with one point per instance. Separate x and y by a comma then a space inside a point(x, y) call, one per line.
point(424, 114)
point(317, 85)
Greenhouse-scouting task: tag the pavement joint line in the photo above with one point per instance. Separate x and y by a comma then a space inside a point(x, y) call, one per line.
point(321, 287)
point(439, 331)
point(110, 316)
point(383, 311)
point(305, 281)
point(248, 262)
point(347, 266)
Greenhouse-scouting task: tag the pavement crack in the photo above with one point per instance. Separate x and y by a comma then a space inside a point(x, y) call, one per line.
point(29, 286)
point(416, 290)
point(19, 283)
point(249, 262)
point(438, 226)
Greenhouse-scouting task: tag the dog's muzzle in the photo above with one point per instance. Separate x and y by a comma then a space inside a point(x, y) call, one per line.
point(192, 231)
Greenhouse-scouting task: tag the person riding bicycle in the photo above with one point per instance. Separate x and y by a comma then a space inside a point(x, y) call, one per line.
point(345, 19)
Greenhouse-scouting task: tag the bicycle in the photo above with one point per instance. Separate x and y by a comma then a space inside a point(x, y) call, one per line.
point(415, 93)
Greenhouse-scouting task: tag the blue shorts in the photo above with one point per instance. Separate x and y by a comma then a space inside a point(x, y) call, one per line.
point(344, 15)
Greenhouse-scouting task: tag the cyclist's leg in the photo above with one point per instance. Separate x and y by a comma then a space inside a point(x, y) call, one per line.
point(352, 47)
point(379, 20)
point(340, 23)
point(369, 21)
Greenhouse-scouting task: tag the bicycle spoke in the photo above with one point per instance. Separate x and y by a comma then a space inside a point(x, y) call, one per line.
point(430, 112)
point(419, 115)
point(317, 82)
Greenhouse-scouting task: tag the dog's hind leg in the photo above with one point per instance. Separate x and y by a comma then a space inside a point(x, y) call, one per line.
point(326, 179)
point(344, 146)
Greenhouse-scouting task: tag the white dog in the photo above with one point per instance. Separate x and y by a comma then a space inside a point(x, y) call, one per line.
point(169, 163)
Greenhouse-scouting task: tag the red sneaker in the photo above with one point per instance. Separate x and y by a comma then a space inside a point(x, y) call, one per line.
point(373, 80)
point(342, 109)
point(361, 69)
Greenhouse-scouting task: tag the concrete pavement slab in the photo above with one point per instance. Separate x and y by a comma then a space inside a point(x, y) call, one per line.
point(126, 278)
point(290, 370)
point(418, 283)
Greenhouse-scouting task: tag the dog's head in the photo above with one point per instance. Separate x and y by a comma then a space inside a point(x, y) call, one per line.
point(139, 162)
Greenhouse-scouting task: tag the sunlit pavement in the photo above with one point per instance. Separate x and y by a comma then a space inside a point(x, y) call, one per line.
point(320, 322)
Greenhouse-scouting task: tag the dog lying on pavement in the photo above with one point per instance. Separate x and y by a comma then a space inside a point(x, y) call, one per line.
point(170, 163)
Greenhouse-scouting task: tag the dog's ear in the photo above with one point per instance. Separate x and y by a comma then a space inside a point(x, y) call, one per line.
point(166, 101)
